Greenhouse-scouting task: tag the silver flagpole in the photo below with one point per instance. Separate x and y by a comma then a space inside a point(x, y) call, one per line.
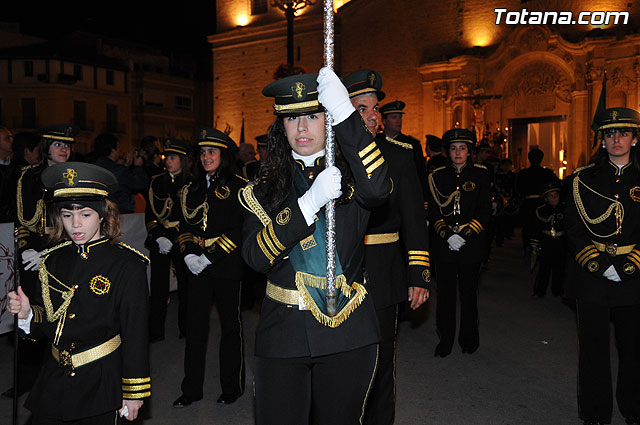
point(330, 211)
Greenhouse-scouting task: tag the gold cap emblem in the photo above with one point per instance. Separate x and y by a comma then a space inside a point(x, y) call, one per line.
point(614, 115)
point(298, 88)
point(203, 134)
point(70, 175)
point(68, 131)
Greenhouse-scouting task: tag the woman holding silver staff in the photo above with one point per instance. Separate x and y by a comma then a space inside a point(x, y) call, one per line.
point(321, 364)
point(603, 230)
point(92, 306)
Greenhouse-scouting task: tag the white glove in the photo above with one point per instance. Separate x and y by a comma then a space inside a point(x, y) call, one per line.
point(334, 95)
point(611, 274)
point(31, 259)
point(456, 242)
point(324, 188)
point(194, 263)
point(164, 245)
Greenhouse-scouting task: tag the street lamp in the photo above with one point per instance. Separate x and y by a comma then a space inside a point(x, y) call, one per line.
point(290, 8)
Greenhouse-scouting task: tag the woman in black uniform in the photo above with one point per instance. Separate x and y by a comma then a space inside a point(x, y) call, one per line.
point(92, 307)
point(459, 210)
point(311, 367)
point(210, 236)
point(603, 231)
point(163, 226)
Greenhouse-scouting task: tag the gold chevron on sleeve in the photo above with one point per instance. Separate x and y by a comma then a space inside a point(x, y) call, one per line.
point(274, 238)
point(419, 258)
point(439, 224)
point(586, 254)
point(225, 243)
point(475, 225)
point(368, 149)
point(635, 257)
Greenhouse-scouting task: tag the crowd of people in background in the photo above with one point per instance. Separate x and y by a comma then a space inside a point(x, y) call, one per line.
point(410, 225)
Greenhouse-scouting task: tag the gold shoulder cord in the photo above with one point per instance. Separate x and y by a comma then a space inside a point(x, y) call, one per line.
point(542, 219)
point(166, 208)
point(455, 197)
point(67, 295)
point(40, 207)
point(246, 194)
point(615, 205)
point(189, 215)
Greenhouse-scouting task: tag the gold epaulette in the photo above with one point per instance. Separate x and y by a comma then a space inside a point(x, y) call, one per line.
point(398, 143)
point(140, 255)
point(577, 170)
point(53, 248)
point(248, 200)
point(480, 166)
point(439, 168)
point(242, 178)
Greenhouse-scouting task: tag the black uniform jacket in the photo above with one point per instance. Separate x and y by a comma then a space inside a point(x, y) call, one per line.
point(163, 211)
point(285, 331)
point(391, 270)
point(211, 223)
point(110, 299)
point(550, 223)
point(469, 220)
point(592, 195)
point(31, 197)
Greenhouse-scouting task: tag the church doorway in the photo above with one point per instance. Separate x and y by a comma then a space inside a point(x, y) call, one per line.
point(546, 133)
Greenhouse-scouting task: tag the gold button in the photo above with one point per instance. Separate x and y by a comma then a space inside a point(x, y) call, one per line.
point(73, 346)
point(72, 374)
point(72, 316)
point(75, 287)
point(618, 180)
point(617, 196)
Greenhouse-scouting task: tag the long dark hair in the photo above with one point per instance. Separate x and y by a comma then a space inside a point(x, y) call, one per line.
point(601, 156)
point(276, 172)
point(224, 173)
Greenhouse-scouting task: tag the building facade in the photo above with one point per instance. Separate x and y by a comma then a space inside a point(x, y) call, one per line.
point(453, 65)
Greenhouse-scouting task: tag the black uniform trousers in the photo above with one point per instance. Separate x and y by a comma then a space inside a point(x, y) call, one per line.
point(286, 388)
point(595, 394)
point(227, 295)
point(159, 291)
point(453, 277)
point(108, 418)
point(382, 399)
point(551, 267)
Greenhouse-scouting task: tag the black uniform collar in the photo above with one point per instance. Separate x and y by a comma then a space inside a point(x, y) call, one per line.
point(455, 169)
point(85, 249)
point(619, 170)
point(315, 163)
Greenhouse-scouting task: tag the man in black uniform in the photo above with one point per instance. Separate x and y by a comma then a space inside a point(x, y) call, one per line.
point(528, 185)
point(436, 157)
point(390, 280)
point(551, 241)
point(603, 230)
point(392, 114)
point(459, 212)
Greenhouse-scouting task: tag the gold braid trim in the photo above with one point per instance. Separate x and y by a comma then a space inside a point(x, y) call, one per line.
point(67, 295)
point(454, 196)
point(189, 215)
point(130, 248)
point(166, 207)
point(338, 319)
point(135, 380)
point(615, 204)
point(248, 200)
point(541, 218)
point(134, 396)
point(40, 206)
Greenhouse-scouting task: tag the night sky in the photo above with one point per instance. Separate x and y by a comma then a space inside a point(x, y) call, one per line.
point(181, 26)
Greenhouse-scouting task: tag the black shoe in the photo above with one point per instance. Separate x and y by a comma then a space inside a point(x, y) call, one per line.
point(153, 339)
point(632, 420)
point(441, 351)
point(593, 423)
point(184, 401)
point(228, 398)
point(469, 350)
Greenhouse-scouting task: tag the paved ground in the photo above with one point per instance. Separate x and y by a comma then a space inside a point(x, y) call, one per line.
point(523, 374)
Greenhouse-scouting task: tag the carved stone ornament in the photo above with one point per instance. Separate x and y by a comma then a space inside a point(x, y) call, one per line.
point(440, 91)
point(619, 79)
point(535, 87)
point(534, 39)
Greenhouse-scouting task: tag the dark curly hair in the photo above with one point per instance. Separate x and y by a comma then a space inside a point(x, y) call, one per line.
point(109, 227)
point(276, 172)
point(224, 173)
